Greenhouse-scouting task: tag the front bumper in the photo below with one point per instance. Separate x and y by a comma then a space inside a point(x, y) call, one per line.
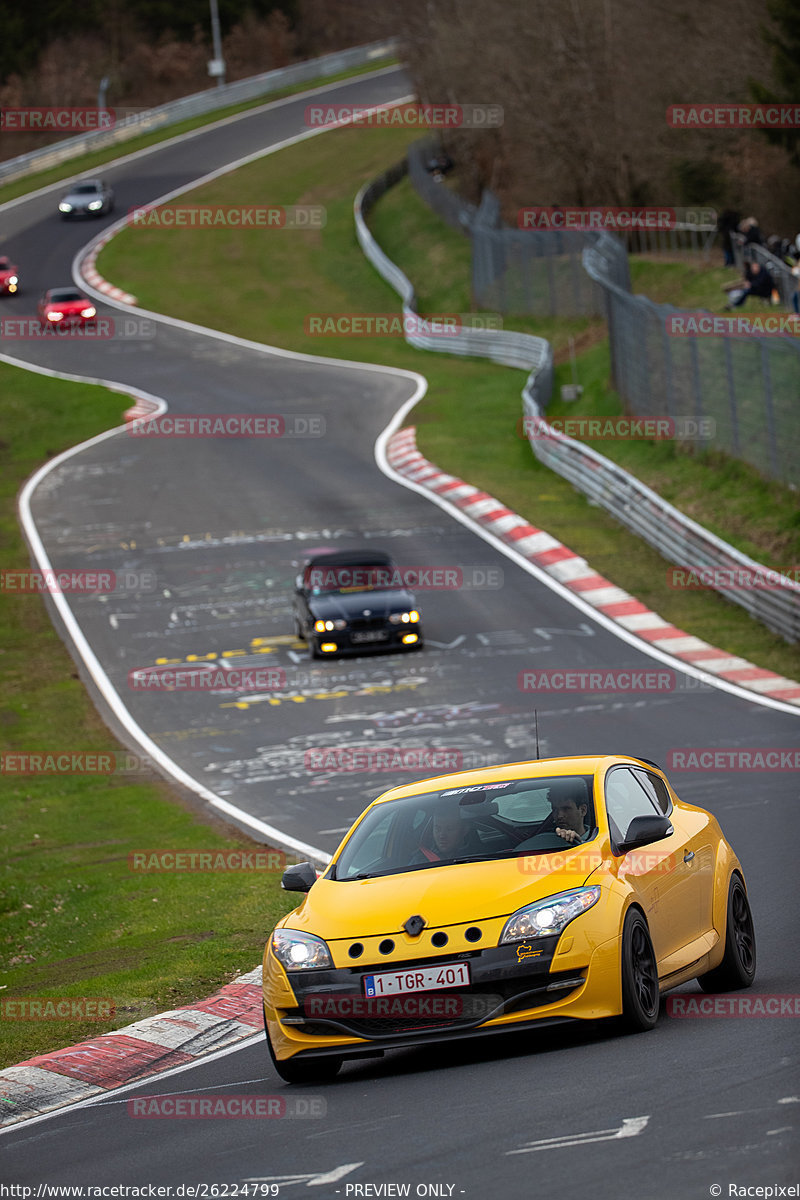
point(321, 1013)
point(393, 640)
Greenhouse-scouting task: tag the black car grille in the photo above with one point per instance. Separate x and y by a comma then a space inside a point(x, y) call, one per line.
point(516, 994)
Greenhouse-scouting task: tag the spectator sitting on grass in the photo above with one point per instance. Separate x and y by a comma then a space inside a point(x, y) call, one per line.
point(757, 282)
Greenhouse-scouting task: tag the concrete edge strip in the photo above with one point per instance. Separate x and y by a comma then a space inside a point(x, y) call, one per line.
point(575, 573)
point(135, 1053)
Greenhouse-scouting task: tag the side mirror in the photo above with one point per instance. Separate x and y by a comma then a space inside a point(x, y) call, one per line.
point(299, 878)
point(298, 583)
point(642, 831)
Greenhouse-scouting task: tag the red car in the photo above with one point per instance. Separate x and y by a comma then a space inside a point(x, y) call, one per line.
point(9, 277)
point(65, 306)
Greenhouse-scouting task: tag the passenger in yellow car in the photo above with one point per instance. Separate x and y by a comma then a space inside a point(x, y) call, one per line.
point(569, 811)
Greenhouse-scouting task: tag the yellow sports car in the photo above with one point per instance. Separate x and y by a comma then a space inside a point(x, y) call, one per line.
point(504, 898)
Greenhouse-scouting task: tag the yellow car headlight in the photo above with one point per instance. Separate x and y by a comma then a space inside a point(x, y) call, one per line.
point(297, 951)
point(549, 916)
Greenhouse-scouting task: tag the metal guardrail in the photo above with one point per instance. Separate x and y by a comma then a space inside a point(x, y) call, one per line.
point(679, 539)
point(782, 277)
point(509, 349)
point(196, 105)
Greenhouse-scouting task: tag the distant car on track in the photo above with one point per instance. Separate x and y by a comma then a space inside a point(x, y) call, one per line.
point(65, 306)
point(9, 277)
point(87, 198)
point(349, 601)
point(501, 899)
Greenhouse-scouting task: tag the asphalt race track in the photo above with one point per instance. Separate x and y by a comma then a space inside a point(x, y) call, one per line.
point(223, 526)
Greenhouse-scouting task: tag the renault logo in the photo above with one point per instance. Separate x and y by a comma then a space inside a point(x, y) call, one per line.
point(414, 926)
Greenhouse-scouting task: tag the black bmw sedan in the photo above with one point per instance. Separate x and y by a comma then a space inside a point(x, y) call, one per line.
point(349, 601)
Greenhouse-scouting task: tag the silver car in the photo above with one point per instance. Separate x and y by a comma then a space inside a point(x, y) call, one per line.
point(87, 198)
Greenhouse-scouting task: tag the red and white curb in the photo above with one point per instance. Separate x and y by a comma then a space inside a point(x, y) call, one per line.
point(95, 279)
point(142, 408)
point(138, 1051)
point(576, 574)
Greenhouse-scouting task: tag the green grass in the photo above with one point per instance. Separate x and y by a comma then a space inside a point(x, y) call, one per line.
point(85, 162)
point(74, 920)
point(469, 421)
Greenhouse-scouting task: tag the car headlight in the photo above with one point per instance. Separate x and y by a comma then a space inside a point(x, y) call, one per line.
point(13, 279)
point(64, 207)
point(404, 618)
point(88, 312)
point(54, 316)
point(300, 951)
point(95, 204)
point(549, 916)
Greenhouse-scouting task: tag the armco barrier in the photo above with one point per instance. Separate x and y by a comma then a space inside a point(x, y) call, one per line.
point(509, 349)
point(679, 539)
point(196, 105)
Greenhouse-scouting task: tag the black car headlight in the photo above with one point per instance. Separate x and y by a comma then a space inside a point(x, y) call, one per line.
point(404, 618)
point(549, 916)
point(297, 951)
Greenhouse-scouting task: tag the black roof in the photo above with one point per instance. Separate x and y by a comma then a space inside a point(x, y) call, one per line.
point(352, 558)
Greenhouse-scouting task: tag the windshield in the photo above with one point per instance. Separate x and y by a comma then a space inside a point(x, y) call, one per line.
point(471, 823)
point(60, 296)
point(360, 577)
point(83, 189)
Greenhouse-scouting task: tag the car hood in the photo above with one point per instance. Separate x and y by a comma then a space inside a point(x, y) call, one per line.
point(69, 306)
point(453, 895)
point(347, 605)
point(79, 198)
point(6, 271)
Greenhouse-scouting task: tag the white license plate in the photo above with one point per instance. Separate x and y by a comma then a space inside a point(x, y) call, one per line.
point(370, 635)
point(420, 979)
